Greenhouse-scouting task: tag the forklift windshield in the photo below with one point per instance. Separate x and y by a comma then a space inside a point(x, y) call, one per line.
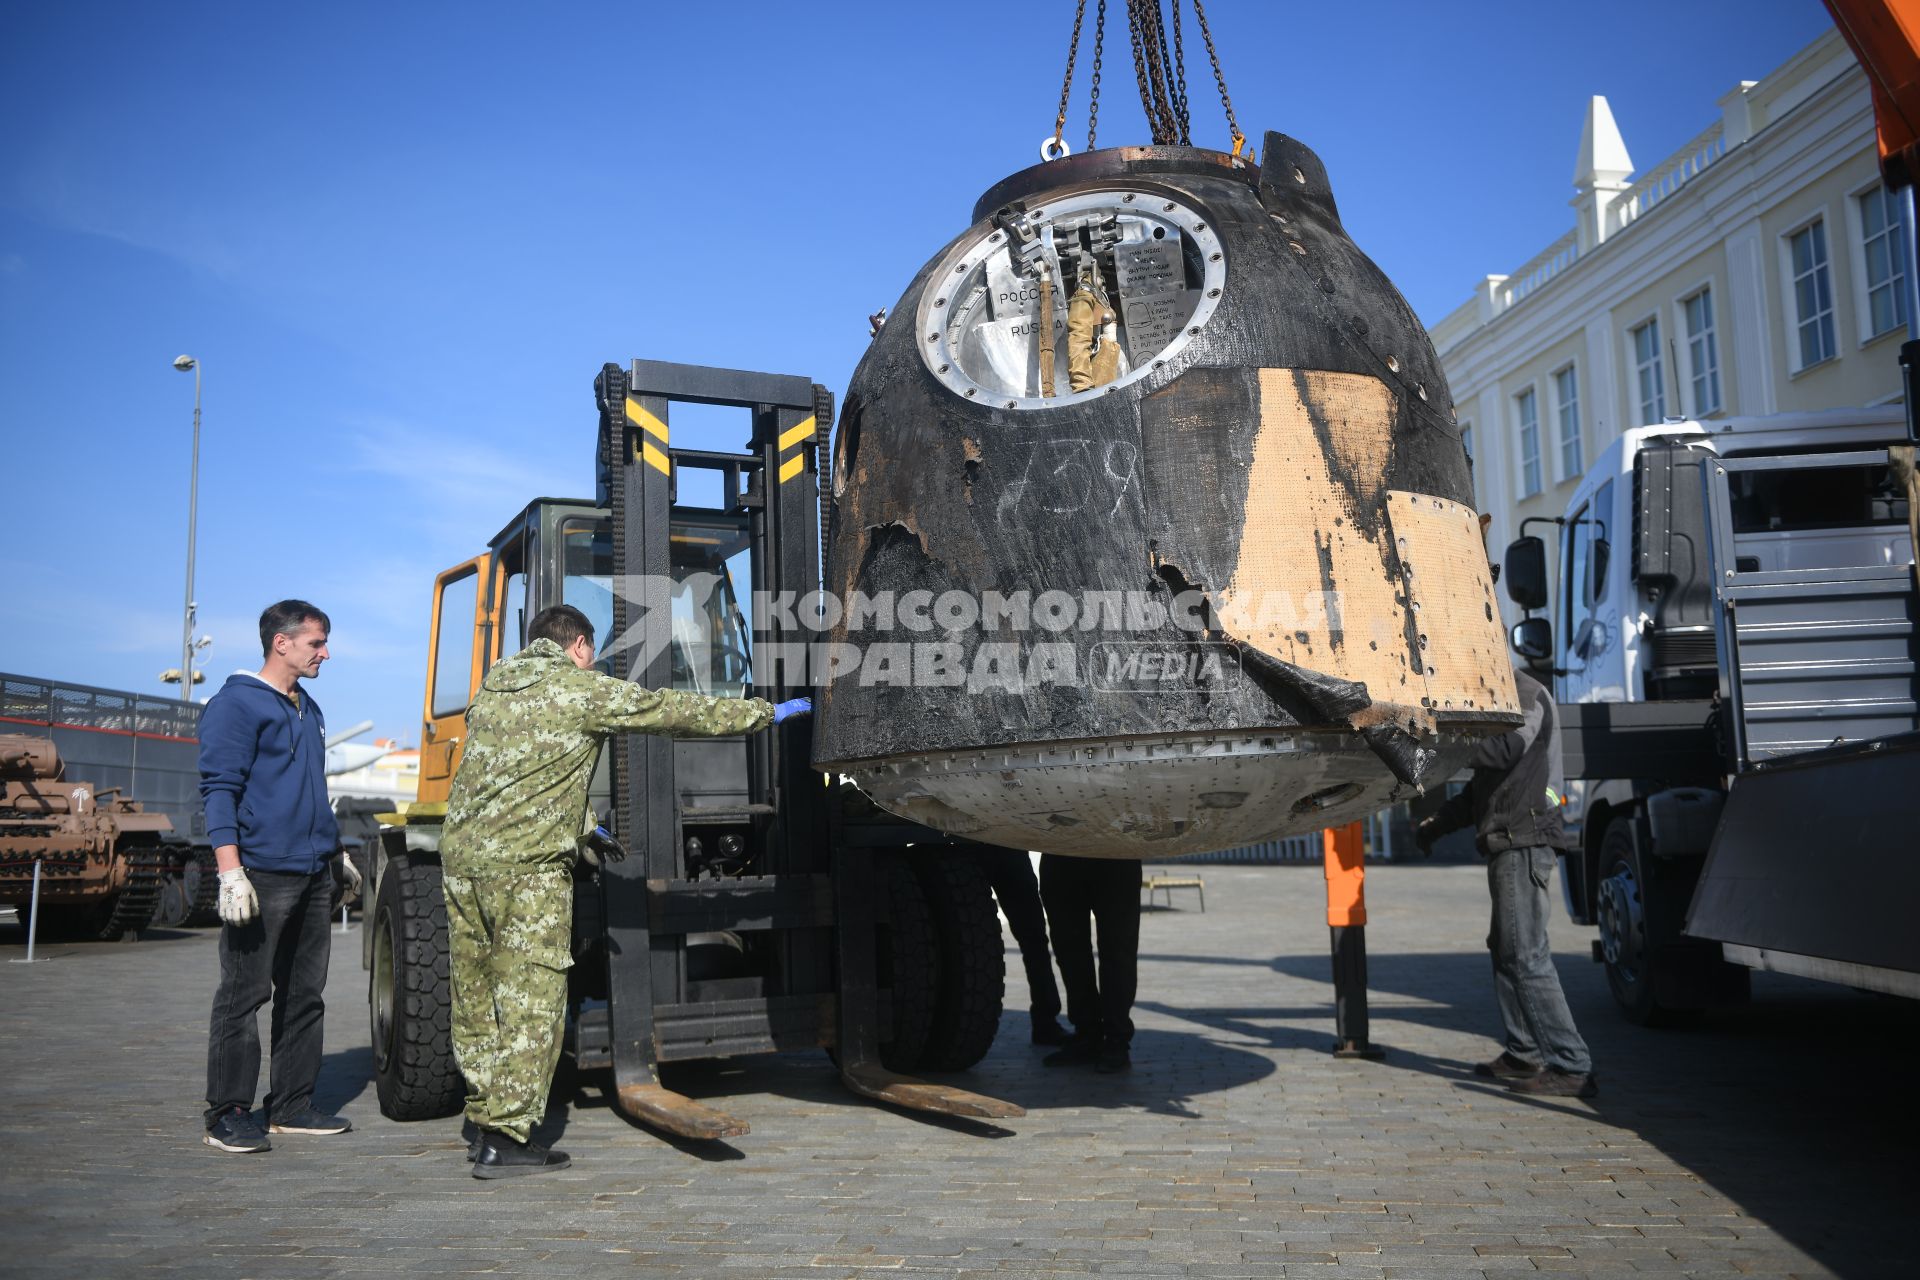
point(709, 635)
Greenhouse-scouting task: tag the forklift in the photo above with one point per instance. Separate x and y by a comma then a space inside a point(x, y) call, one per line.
point(745, 903)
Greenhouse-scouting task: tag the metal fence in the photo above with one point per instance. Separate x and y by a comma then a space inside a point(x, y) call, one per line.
point(147, 746)
point(53, 703)
point(1377, 830)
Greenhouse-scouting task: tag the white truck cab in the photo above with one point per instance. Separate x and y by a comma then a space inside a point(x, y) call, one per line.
point(1732, 638)
point(1631, 618)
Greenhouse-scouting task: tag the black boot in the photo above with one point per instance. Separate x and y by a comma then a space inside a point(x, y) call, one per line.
point(502, 1157)
point(1079, 1051)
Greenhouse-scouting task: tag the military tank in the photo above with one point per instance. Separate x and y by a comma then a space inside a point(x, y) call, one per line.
point(100, 854)
point(1152, 529)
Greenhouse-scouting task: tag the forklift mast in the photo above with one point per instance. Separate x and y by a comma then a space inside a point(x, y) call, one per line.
point(809, 903)
point(757, 909)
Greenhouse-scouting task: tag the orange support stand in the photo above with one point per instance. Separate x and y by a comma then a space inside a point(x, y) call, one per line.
point(1346, 871)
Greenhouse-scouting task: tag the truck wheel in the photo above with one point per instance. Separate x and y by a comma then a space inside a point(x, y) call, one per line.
point(410, 998)
point(908, 965)
point(973, 962)
point(1659, 978)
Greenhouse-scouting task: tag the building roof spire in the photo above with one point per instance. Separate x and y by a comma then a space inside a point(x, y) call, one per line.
point(1603, 152)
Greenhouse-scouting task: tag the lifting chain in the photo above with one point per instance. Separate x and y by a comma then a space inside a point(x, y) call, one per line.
point(1213, 56)
point(1160, 71)
point(1066, 85)
point(1177, 82)
point(1093, 98)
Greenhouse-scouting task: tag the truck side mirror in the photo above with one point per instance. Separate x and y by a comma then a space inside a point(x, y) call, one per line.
point(1532, 637)
point(1527, 572)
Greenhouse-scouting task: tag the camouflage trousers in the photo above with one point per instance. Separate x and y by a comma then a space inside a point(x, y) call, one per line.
point(508, 936)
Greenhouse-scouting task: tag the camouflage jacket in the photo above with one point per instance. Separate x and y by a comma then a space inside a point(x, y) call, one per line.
point(534, 730)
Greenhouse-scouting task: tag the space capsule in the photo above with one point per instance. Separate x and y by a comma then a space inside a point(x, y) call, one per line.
point(1152, 529)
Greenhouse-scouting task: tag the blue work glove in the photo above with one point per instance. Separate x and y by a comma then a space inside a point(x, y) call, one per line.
point(792, 707)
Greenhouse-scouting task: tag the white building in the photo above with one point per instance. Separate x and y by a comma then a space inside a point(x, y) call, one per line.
point(1759, 269)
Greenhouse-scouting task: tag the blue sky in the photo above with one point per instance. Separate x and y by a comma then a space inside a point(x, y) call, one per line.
point(403, 238)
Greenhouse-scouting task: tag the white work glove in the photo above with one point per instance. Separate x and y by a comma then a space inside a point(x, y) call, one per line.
point(237, 901)
point(347, 874)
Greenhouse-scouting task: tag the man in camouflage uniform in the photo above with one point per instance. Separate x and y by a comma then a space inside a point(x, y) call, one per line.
point(517, 809)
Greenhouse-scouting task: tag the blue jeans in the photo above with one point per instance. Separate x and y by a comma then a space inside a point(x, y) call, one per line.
point(280, 954)
point(1539, 1025)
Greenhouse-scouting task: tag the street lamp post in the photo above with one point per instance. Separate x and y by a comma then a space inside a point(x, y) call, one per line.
point(183, 364)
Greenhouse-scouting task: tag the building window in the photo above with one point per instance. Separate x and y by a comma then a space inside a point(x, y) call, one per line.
point(1566, 395)
point(1649, 375)
point(1703, 353)
point(1812, 293)
point(1882, 241)
point(1528, 413)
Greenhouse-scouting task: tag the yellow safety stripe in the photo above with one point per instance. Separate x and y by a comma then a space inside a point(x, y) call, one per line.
point(637, 413)
point(796, 433)
point(654, 458)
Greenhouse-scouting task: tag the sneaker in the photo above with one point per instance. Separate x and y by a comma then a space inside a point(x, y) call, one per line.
point(237, 1131)
point(311, 1121)
point(1508, 1067)
point(1555, 1083)
point(1112, 1060)
point(1078, 1051)
point(502, 1157)
point(1048, 1031)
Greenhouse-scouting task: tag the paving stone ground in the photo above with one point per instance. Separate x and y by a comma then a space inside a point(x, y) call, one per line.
point(1776, 1140)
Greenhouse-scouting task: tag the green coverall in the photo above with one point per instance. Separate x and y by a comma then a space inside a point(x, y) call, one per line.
point(519, 803)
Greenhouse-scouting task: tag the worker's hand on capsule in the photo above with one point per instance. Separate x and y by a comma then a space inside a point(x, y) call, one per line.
point(603, 846)
point(346, 874)
point(792, 707)
point(237, 901)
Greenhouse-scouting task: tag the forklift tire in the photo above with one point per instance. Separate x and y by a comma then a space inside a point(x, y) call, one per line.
point(973, 961)
point(908, 968)
point(409, 997)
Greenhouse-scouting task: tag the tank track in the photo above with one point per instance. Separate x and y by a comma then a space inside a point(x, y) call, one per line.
point(206, 902)
point(135, 904)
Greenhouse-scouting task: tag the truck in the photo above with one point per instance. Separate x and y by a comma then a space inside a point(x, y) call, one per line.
point(1733, 653)
point(101, 786)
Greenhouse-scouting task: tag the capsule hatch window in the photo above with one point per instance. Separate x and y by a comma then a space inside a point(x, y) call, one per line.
point(1071, 298)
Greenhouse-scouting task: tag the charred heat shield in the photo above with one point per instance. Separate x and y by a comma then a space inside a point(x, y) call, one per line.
point(1152, 530)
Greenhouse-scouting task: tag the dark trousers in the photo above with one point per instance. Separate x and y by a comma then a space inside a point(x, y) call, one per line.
point(1105, 891)
point(1010, 872)
point(280, 954)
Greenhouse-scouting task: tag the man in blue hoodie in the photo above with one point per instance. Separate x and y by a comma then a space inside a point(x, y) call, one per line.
point(263, 779)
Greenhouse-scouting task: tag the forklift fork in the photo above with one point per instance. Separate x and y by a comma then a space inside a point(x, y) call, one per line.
point(859, 1035)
